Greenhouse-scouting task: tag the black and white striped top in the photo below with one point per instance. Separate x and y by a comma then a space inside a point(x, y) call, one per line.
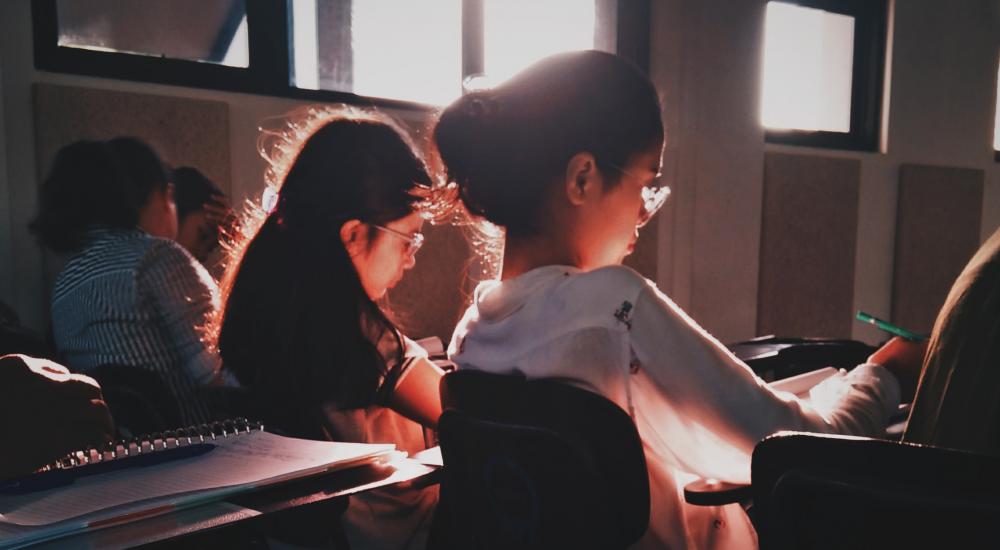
point(129, 298)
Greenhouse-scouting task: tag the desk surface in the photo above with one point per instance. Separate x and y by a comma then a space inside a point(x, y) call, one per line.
point(243, 509)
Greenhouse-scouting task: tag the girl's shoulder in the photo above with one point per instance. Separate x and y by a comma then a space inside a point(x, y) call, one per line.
point(614, 281)
point(608, 294)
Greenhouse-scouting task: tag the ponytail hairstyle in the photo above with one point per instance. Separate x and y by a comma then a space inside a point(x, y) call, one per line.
point(297, 326)
point(96, 183)
point(504, 146)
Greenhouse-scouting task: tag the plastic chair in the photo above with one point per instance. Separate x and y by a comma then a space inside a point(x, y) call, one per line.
point(537, 464)
point(822, 491)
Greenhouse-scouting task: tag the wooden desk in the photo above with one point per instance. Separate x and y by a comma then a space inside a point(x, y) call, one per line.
point(246, 519)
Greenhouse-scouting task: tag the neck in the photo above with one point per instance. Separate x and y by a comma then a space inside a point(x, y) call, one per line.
point(522, 254)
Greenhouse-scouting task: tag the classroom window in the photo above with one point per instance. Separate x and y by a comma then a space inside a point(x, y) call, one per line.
point(213, 32)
point(520, 32)
point(379, 48)
point(402, 53)
point(822, 72)
point(996, 123)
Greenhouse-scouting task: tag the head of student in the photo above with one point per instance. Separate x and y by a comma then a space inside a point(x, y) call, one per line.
point(300, 315)
point(565, 155)
point(201, 209)
point(120, 184)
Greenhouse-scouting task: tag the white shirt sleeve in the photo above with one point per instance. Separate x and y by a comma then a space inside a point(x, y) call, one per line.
point(708, 409)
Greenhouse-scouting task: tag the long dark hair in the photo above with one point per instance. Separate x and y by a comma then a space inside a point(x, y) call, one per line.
point(504, 146)
point(297, 326)
point(96, 183)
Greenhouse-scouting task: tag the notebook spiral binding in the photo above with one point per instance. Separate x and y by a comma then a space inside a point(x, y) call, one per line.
point(154, 442)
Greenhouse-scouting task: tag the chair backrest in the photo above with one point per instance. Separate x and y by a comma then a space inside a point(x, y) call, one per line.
point(139, 400)
point(775, 358)
point(819, 491)
point(538, 464)
point(18, 339)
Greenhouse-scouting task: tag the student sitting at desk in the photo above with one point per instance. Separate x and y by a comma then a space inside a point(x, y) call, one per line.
point(565, 156)
point(301, 326)
point(129, 295)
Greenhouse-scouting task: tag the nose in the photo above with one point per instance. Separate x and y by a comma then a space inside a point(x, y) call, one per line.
point(410, 261)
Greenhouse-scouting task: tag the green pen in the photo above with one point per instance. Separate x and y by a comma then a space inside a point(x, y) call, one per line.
point(889, 327)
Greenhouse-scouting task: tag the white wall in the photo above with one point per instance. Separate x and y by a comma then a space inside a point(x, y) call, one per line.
point(6, 239)
point(706, 61)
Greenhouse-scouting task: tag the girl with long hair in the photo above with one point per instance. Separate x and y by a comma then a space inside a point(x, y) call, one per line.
point(302, 327)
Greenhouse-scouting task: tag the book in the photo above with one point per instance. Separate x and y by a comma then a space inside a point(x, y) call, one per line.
point(800, 384)
point(95, 488)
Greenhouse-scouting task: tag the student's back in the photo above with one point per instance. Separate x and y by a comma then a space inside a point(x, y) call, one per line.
point(129, 298)
point(128, 295)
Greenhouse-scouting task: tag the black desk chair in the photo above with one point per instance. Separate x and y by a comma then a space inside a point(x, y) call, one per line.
point(139, 400)
point(820, 491)
point(775, 358)
point(17, 339)
point(537, 464)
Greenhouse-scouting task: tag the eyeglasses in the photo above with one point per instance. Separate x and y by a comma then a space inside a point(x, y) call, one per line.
point(414, 241)
point(653, 197)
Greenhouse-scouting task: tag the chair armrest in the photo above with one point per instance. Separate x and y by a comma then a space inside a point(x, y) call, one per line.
point(708, 492)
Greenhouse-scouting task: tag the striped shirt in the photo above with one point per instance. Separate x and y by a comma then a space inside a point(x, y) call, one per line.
point(129, 298)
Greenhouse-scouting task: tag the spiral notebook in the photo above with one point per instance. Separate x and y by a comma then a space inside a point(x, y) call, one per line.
point(95, 488)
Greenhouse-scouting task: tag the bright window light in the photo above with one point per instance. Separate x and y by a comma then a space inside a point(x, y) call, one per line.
point(520, 32)
point(396, 49)
point(408, 50)
point(996, 122)
point(808, 59)
point(305, 44)
point(238, 54)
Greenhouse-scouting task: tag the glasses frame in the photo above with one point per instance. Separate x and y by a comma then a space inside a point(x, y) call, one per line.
point(414, 242)
point(653, 197)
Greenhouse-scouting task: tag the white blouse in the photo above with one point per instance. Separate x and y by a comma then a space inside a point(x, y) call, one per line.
point(698, 409)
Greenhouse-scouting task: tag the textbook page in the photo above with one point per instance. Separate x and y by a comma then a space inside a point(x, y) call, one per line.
point(235, 463)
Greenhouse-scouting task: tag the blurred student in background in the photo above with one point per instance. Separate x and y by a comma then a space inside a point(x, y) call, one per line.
point(129, 294)
point(203, 213)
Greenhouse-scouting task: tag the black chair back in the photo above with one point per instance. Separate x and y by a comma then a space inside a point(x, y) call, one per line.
point(818, 491)
point(538, 464)
point(139, 400)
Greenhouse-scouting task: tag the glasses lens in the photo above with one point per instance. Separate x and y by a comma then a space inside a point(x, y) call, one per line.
point(416, 241)
point(652, 200)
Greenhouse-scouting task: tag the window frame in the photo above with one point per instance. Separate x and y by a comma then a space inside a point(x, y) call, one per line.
point(269, 68)
point(867, 79)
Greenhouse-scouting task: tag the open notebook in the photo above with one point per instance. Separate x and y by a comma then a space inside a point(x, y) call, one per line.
point(160, 475)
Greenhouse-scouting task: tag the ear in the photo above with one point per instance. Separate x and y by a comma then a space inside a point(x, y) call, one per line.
point(354, 236)
point(582, 180)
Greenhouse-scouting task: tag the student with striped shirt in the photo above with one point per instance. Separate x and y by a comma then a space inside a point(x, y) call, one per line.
point(128, 295)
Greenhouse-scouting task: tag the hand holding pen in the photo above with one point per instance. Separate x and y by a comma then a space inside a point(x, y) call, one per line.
point(903, 354)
